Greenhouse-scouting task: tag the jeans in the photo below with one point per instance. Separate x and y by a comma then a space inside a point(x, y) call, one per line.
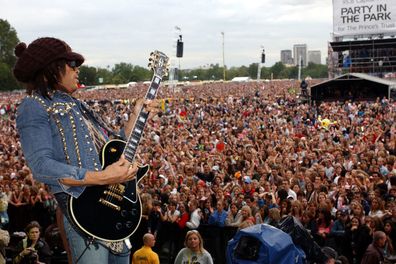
point(95, 252)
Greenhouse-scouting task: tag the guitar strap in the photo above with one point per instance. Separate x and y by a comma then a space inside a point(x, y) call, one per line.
point(87, 110)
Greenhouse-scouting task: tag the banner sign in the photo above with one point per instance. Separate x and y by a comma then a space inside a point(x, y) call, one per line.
point(364, 17)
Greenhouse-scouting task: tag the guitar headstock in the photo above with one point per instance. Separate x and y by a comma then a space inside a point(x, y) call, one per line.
point(159, 63)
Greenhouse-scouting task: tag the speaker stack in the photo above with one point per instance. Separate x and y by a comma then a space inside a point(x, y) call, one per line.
point(179, 47)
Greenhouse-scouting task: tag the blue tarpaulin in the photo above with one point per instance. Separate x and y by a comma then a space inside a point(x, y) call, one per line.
point(263, 244)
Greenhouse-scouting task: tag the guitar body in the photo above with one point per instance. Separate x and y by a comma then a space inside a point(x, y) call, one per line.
point(110, 212)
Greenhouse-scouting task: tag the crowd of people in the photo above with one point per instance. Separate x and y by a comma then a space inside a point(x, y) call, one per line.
point(238, 154)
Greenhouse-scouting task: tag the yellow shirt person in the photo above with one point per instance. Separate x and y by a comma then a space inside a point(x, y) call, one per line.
point(146, 255)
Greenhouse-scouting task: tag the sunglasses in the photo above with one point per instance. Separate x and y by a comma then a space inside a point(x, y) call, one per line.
point(72, 64)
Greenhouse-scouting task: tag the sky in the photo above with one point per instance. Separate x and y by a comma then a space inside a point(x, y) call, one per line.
point(108, 32)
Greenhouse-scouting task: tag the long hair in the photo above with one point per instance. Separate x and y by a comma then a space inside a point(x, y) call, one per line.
point(47, 79)
point(194, 232)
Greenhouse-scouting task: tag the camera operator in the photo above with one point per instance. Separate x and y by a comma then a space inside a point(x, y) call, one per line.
point(304, 88)
point(33, 249)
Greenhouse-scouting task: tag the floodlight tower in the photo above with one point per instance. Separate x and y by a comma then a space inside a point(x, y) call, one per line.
point(224, 71)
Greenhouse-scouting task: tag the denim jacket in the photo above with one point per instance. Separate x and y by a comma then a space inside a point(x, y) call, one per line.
point(56, 141)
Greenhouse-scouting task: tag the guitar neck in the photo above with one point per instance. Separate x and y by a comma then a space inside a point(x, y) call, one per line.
point(140, 123)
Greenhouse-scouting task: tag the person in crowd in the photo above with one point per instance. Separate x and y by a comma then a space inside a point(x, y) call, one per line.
point(154, 221)
point(169, 227)
point(33, 248)
point(290, 192)
point(262, 213)
point(376, 208)
point(4, 218)
point(219, 216)
point(285, 207)
point(373, 224)
point(324, 224)
point(296, 209)
point(195, 215)
point(194, 251)
point(374, 252)
point(357, 211)
point(184, 216)
point(358, 238)
point(61, 136)
point(247, 217)
point(337, 231)
point(234, 217)
point(182, 228)
point(247, 189)
point(390, 231)
point(146, 255)
point(338, 228)
point(207, 209)
point(4, 240)
point(330, 254)
point(273, 217)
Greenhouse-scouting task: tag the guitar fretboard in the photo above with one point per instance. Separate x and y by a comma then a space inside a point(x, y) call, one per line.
point(140, 123)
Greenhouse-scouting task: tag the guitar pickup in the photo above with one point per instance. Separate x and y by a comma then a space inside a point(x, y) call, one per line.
point(117, 188)
point(114, 195)
point(109, 204)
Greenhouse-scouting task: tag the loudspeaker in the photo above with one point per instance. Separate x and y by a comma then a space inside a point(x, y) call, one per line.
point(179, 50)
point(263, 57)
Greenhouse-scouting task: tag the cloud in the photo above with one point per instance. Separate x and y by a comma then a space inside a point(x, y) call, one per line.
point(108, 32)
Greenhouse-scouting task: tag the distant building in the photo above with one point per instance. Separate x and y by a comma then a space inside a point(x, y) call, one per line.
point(314, 56)
point(300, 53)
point(286, 57)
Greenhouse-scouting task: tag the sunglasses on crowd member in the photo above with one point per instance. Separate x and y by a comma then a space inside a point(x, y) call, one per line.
point(72, 64)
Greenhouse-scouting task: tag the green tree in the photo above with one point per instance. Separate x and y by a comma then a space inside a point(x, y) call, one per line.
point(88, 75)
point(278, 70)
point(8, 41)
point(293, 72)
point(215, 72)
point(105, 75)
point(253, 67)
point(7, 80)
point(197, 74)
point(315, 70)
point(122, 73)
point(265, 73)
point(139, 74)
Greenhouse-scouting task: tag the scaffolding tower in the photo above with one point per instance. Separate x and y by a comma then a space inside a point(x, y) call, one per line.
point(375, 56)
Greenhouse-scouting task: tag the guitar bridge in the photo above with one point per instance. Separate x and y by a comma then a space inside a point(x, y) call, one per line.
point(109, 204)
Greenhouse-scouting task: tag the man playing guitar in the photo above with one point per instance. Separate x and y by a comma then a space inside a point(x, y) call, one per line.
point(61, 139)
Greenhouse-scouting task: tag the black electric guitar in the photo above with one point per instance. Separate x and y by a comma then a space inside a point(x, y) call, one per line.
point(113, 212)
